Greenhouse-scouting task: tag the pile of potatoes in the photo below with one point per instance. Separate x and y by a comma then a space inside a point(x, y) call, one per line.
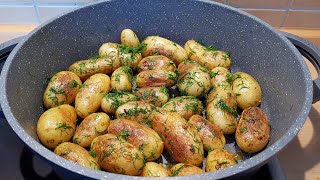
point(114, 112)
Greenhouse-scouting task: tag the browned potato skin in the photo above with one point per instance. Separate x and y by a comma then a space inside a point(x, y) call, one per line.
point(186, 106)
point(152, 169)
point(211, 136)
point(156, 62)
point(219, 159)
point(181, 140)
point(157, 96)
point(116, 155)
point(183, 169)
point(142, 137)
point(76, 154)
point(92, 126)
point(253, 130)
point(62, 89)
point(156, 78)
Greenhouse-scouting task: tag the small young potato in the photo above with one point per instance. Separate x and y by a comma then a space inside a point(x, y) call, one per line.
point(121, 79)
point(152, 169)
point(76, 154)
point(219, 159)
point(156, 78)
point(56, 125)
point(62, 89)
point(128, 58)
point(112, 101)
point(182, 169)
point(110, 50)
point(247, 90)
point(253, 130)
point(89, 97)
point(161, 46)
point(211, 136)
point(186, 106)
point(221, 78)
point(116, 155)
point(156, 62)
point(129, 38)
point(92, 126)
point(137, 111)
point(180, 139)
point(140, 136)
point(207, 56)
point(157, 96)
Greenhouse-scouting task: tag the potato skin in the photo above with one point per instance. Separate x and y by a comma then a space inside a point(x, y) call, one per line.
point(116, 155)
point(253, 130)
point(112, 101)
point(186, 106)
point(76, 154)
point(247, 90)
point(152, 169)
point(156, 62)
point(157, 96)
point(181, 140)
point(129, 38)
point(156, 78)
point(219, 159)
point(221, 78)
point(165, 47)
point(211, 136)
point(56, 125)
point(62, 89)
point(182, 169)
point(127, 58)
point(89, 97)
point(91, 127)
point(142, 137)
point(121, 79)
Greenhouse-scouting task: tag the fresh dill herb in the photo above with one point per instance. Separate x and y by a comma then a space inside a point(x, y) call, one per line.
point(57, 91)
point(74, 84)
point(63, 126)
point(124, 134)
point(223, 106)
point(243, 130)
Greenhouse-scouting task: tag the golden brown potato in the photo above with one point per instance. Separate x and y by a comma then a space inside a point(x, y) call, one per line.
point(152, 169)
point(116, 155)
point(156, 62)
point(76, 154)
point(121, 79)
point(221, 78)
point(62, 89)
point(247, 90)
point(253, 130)
point(156, 78)
point(219, 159)
point(157, 96)
point(186, 106)
point(112, 101)
point(110, 50)
point(92, 126)
point(183, 169)
point(211, 136)
point(89, 97)
point(181, 140)
point(56, 125)
point(156, 45)
point(129, 38)
point(142, 137)
point(128, 58)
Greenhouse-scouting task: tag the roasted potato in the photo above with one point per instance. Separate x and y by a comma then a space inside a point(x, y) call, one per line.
point(219, 159)
point(183, 169)
point(221, 78)
point(186, 106)
point(110, 50)
point(156, 62)
point(157, 96)
point(116, 155)
point(129, 38)
point(56, 125)
point(92, 126)
point(156, 78)
point(62, 89)
point(253, 130)
point(76, 154)
point(89, 97)
point(142, 137)
point(112, 101)
point(152, 169)
point(121, 79)
point(128, 57)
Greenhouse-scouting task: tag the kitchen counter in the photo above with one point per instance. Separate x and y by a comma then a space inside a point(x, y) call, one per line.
point(301, 158)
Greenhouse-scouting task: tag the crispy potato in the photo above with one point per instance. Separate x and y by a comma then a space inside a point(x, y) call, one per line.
point(56, 125)
point(157, 96)
point(181, 140)
point(161, 46)
point(129, 38)
point(183, 169)
point(156, 78)
point(221, 78)
point(219, 159)
point(253, 130)
point(92, 126)
point(247, 90)
point(62, 89)
point(156, 62)
point(152, 169)
point(116, 155)
point(211, 136)
point(76, 154)
point(186, 106)
point(121, 79)
point(112, 101)
point(142, 137)
point(89, 97)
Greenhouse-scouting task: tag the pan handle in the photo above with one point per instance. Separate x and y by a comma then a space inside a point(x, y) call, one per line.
point(312, 53)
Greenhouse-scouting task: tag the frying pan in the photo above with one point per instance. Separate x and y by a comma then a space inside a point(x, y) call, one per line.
point(255, 47)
